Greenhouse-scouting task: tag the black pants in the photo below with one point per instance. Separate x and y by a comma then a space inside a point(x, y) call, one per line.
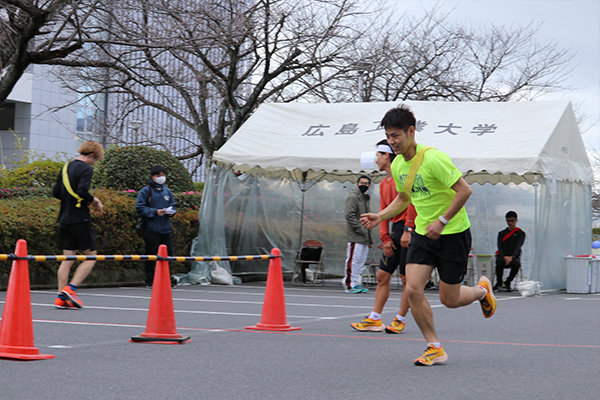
point(514, 266)
point(152, 241)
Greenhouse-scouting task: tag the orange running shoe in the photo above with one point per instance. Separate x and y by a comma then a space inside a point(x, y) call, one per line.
point(368, 325)
point(396, 326)
point(63, 304)
point(72, 295)
point(432, 356)
point(488, 303)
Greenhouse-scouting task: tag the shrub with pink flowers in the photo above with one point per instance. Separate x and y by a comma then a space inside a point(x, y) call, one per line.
point(30, 212)
point(34, 219)
point(24, 192)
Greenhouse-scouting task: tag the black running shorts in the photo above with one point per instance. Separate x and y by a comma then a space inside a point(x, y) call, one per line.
point(77, 237)
point(449, 254)
point(398, 259)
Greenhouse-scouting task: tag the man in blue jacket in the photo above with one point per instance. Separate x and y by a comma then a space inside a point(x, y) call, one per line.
point(155, 204)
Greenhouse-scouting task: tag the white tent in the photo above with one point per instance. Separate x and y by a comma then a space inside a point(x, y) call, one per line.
point(533, 148)
point(489, 142)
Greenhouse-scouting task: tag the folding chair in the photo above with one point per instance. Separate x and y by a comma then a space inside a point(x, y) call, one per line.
point(311, 253)
point(506, 274)
point(369, 273)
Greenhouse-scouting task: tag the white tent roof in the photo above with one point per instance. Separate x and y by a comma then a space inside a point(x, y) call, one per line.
point(488, 142)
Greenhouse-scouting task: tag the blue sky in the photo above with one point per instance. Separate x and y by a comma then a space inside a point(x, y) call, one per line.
point(573, 24)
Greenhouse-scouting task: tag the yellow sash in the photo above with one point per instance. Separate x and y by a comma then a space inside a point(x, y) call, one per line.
point(65, 178)
point(412, 172)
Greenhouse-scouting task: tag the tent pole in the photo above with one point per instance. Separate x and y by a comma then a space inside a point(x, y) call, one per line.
point(303, 190)
point(535, 222)
point(301, 219)
point(535, 185)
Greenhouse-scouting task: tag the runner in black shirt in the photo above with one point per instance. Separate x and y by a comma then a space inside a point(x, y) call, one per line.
point(76, 231)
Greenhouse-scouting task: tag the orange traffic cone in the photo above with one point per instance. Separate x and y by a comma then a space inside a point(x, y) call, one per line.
point(160, 326)
point(273, 316)
point(16, 331)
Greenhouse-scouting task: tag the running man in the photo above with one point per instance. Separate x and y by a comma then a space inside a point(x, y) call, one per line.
point(442, 237)
point(394, 248)
point(76, 231)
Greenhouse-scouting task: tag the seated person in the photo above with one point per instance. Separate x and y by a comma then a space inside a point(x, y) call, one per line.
point(508, 255)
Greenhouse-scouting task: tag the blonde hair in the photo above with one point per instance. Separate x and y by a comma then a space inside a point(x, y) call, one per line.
point(92, 147)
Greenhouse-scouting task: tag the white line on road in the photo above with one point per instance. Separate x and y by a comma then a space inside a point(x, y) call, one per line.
point(178, 311)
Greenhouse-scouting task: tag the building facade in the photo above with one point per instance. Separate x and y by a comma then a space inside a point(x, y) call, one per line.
point(41, 118)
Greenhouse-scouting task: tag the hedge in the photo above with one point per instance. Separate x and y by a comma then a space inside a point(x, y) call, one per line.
point(128, 167)
point(40, 173)
point(35, 220)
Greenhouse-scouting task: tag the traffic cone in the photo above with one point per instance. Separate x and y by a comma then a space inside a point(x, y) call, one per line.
point(273, 316)
point(160, 326)
point(16, 330)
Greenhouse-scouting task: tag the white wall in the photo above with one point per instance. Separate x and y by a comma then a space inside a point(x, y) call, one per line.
point(46, 130)
point(52, 131)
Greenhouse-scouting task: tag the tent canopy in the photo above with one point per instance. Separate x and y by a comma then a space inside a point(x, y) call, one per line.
point(488, 142)
point(535, 148)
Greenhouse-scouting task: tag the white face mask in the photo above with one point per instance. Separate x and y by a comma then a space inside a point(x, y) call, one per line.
point(160, 180)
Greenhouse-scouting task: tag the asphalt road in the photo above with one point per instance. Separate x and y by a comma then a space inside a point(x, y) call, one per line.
point(544, 347)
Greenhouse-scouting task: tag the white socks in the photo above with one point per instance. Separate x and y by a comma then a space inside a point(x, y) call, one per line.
point(375, 316)
point(485, 292)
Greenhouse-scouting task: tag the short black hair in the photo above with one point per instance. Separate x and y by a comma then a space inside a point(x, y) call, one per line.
point(363, 176)
point(157, 169)
point(400, 117)
point(511, 214)
point(385, 143)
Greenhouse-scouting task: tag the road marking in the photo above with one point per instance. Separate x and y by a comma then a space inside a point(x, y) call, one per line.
point(388, 337)
point(184, 311)
point(296, 333)
point(230, 301)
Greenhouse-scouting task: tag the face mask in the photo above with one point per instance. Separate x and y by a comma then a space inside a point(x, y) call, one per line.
point(161, 180)
point(363, 188)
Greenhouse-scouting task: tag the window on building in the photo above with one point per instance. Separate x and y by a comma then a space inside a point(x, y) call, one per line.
point(7, 116)
point(90, 115)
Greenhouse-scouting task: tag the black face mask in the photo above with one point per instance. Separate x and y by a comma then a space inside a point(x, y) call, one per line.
point(363, 188)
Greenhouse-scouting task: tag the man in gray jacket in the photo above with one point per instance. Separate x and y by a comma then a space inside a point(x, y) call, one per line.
point(359, 237)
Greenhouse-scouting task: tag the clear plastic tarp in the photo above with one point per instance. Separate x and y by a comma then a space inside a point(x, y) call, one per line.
point(251, 214)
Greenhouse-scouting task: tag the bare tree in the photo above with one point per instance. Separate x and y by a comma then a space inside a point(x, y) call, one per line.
point(204, 66)
point(198, 69)
point(33, 32)
point(431, 59)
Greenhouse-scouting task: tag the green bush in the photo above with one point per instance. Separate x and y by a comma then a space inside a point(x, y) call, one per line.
point(35, 220)
point(129, 168)
point(4, 173)
point(40, 173)
point(25, 192)
point(199, 186)
point(188, 200)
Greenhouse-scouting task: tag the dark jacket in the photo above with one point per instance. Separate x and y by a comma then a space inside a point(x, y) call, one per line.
point(80, 177)
point(162, 197)
point(357, 203)
point(512, 245)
